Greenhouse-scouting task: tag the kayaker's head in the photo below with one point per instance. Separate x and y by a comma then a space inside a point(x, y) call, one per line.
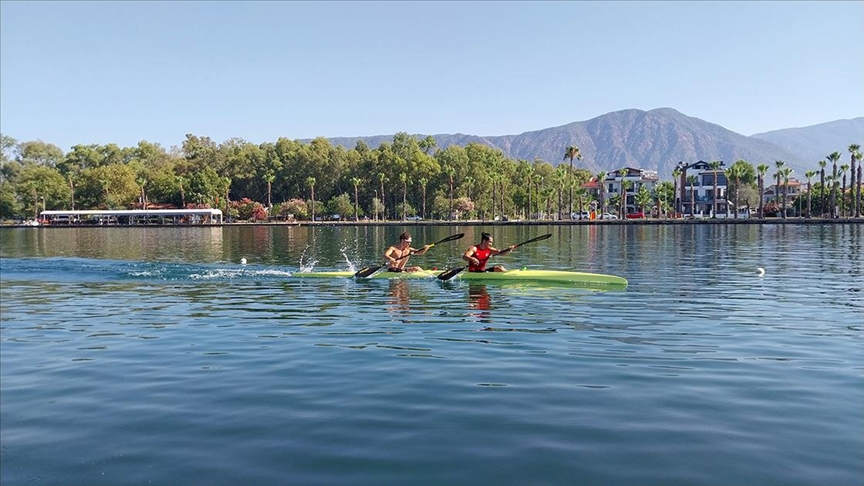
point(485, 239)
point(405, 239)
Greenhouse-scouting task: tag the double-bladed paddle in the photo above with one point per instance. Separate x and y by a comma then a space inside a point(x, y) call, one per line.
point(448, 274)
point(368, 271)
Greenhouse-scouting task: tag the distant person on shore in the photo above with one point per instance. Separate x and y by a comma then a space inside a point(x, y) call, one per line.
point(479, 254)
point(397, 256)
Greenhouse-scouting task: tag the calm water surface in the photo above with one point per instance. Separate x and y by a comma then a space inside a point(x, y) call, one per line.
point(151, 355)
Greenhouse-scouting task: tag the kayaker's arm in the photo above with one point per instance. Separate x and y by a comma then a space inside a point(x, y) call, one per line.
point(421, 251)
point(496, 251)
point(469, 256)
point(388, 255)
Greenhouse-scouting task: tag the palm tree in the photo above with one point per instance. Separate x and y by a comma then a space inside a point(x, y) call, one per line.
point(143, 182)
point(572, 152)
point(715, 166)
point(403, 178)
point(733, 175)
point(854, 150)
point(355, 181)
point(560, 180)
point(423, 181)
point(822, 202)
point(625, 186)
point(269, 177)
point(834, 157)
point(676, 175)
point(691, 179)
point(601, 181)
point(181, 182)
point(381, 178)
point(810, 174)
point(468, 182)
point(779, 164)
point(858, 201)
point(785, 172)
point(761, 171)
point(310, 181)
point(643, 199)
point(843, 169)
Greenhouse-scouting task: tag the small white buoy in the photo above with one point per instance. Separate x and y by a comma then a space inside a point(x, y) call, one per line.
point(242, 261)
point(760, 271)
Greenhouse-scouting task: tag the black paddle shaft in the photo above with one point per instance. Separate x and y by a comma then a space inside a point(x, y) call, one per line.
point(368, 271)
point(448, 274)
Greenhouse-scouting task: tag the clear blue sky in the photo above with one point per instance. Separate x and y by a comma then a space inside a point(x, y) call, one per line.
point(103, 72)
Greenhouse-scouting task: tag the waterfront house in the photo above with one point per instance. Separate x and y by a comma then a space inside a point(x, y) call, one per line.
point(700, 198)
point(638, 179)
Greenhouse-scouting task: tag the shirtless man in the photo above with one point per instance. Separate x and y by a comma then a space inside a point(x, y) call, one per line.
point(394, 255)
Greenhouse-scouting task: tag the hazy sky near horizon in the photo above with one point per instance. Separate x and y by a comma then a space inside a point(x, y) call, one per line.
point(120, 72)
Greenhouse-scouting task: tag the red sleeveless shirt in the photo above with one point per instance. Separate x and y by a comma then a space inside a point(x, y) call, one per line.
point(481, 255)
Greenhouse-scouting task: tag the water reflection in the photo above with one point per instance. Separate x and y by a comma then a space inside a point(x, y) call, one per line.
point(399, 302)
point(479, 302)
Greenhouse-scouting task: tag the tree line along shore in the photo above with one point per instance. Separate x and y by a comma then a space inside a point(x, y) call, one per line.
point(406, 180)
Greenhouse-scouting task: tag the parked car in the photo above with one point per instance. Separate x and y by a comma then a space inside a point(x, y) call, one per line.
point(609, 216)
point(413, 218)
point(636, 215)
point(581, 215)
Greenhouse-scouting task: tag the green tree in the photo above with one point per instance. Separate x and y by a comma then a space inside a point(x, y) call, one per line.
point(854, 156)
point(823, 203)
point(643, 199)
point(762, 169)
point(269, 177)
point(572, 152)
point(833, 157)
point(340, 205)
point(355, 181)
point(691, 179)
point(843, 205)
point(423, 182)
point(809, 175)
point(676, 177)
point(779, 175)
point(39, 153)
point(403, 178)
point(714, 165)
point(310, 181)
point(381, 178)
point(601, 182)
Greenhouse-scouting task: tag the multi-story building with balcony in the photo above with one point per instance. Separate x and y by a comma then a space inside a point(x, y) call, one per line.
point(637, 178)
point(700, 197)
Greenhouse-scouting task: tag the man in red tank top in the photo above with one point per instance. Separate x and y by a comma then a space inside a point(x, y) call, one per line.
point(477, 255)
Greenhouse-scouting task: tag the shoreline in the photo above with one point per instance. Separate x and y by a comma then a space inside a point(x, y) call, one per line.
point(638, 222)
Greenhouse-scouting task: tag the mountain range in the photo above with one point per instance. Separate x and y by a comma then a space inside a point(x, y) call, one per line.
point(657, 140)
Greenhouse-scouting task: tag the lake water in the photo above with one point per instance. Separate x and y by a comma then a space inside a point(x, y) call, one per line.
point(152, 356)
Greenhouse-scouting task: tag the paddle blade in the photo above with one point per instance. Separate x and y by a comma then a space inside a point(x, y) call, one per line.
point(448, 274)
point(532, 240)
point(449, 238)
point(367, 271)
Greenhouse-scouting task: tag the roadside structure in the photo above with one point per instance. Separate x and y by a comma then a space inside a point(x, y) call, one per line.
point(133, 217)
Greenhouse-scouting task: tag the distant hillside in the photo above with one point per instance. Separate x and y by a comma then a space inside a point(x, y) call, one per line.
point(813, 143)
point(657, 140)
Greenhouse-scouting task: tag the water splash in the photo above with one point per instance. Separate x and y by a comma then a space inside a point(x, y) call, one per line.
point(308, 266)
point(351, 265)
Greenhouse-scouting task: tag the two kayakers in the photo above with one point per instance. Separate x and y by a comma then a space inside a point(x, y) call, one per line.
point(397, 256)
point(477, 255)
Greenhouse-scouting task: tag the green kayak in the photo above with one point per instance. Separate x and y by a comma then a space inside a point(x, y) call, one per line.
point(557, 276)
